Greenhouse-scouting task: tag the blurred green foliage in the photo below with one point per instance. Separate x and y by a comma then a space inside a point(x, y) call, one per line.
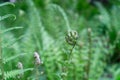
point(41, 26)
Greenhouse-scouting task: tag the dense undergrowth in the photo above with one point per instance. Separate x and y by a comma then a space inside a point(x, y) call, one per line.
point(55, 41)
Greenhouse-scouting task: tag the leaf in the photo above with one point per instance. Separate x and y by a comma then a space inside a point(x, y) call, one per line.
point(57, 7)
point(7, 16)
point(12, 42)
point(9, 29)
point(13, 57)
point(14, 73)
point(104, 15)
point(7, 3)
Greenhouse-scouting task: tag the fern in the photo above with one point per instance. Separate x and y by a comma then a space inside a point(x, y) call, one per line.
point(13, 28)
point(6, 75)
point(63, 14)
point(13, 74)
point(45, 34)
point(7, 3)
point(6, 16)
point(12, 58)
point(111, 22)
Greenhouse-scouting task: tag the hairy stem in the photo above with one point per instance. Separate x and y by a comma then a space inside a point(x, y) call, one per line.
point(70, 55)
point(89, 54)
point(69, 60)
point(37, 74)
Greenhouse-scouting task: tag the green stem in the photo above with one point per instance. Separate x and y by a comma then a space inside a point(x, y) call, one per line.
point(70, 55)
point(37, 72)
point(69, 59)
point(89, 56)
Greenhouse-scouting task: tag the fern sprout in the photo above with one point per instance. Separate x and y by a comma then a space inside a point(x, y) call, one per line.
point(37, 63)
point(89, 30)
point(20, 67)
point(37, 58)
point(71, 37)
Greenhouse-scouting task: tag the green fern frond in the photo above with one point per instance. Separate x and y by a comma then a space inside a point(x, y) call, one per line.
point(104, 15)
point(10, 29)
point(14, 73)
point(7, 16)
point(12, 42)
point(36, 27)
point(57, 7)
point(13, 57)
point(7, 3)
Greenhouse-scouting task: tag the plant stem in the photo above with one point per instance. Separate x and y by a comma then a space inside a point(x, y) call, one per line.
point(69, 59)
point(70, 55)
point(89, 54)
point(37, 72)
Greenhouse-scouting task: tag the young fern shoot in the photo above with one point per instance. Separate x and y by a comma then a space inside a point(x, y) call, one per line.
point(37, 64)
point(71, 38)
point(89, 54)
